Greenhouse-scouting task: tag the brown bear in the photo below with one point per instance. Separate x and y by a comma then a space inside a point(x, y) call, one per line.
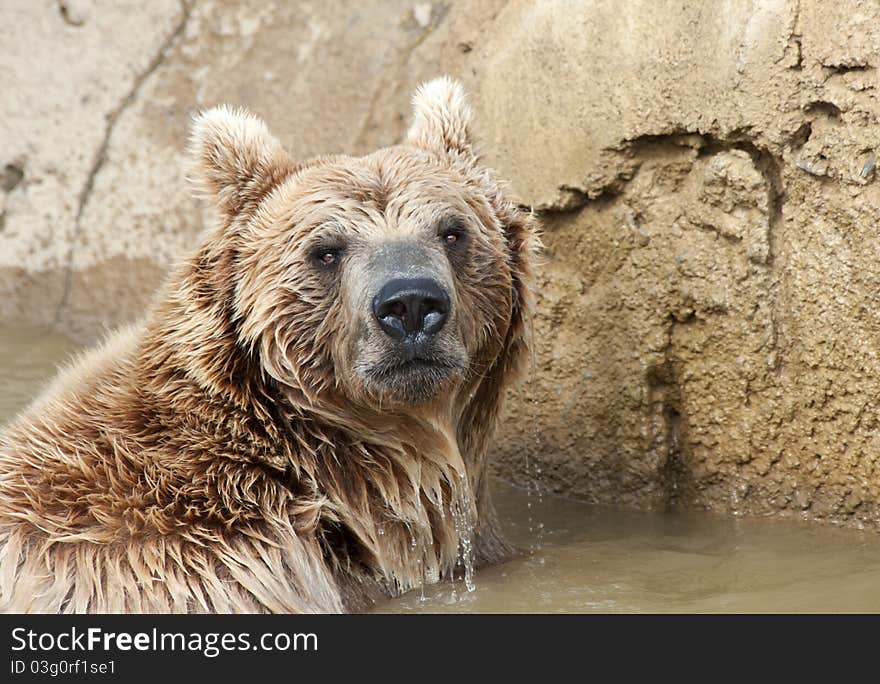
point(300, 422)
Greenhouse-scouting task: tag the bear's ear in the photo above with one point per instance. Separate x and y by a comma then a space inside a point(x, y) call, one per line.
point(441, 118)
point(234, 159)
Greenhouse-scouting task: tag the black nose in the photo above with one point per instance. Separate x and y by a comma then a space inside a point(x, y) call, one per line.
point(407, 307)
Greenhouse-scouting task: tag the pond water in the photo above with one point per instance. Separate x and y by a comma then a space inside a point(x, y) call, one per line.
point(29, 358)
point(592, 559)
point(581, 558)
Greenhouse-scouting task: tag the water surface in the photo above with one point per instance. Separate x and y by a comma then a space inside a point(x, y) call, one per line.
point(29, 357)
point(591, 559)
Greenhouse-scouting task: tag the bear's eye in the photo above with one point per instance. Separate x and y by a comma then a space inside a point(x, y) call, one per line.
point(327, 256)
point(452, 233)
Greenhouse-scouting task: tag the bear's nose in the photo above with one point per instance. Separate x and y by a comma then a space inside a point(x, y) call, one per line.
point(408, 307)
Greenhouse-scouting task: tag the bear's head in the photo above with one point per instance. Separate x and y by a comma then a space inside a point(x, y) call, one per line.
point(399, 279)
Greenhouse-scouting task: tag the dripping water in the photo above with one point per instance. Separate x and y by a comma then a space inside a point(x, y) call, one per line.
point(462, 510)
point(534, 490)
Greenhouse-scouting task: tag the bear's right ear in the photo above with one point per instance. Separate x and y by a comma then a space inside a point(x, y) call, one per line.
point(234, 159)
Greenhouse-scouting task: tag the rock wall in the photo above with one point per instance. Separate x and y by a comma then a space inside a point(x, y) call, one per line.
point(707, 331)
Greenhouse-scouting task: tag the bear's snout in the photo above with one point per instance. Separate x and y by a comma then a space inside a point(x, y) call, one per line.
point(411, 310)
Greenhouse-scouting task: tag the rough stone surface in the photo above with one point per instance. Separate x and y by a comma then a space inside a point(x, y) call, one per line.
point(708, 328)
point(68, 68)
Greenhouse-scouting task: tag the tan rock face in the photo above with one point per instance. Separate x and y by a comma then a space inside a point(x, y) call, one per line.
point(708, 329)
point(68, 69)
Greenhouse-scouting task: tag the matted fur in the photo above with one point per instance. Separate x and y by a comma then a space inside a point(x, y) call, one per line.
point(225, 455)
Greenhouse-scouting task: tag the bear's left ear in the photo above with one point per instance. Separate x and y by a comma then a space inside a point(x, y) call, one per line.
point(442, 118)
point(234, 159)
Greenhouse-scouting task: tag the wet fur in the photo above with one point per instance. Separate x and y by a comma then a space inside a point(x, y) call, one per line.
point(220, 456)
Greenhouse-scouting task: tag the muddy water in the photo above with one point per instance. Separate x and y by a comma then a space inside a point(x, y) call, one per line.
point(580, 558)
point(591, 559)
point(29, 357)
